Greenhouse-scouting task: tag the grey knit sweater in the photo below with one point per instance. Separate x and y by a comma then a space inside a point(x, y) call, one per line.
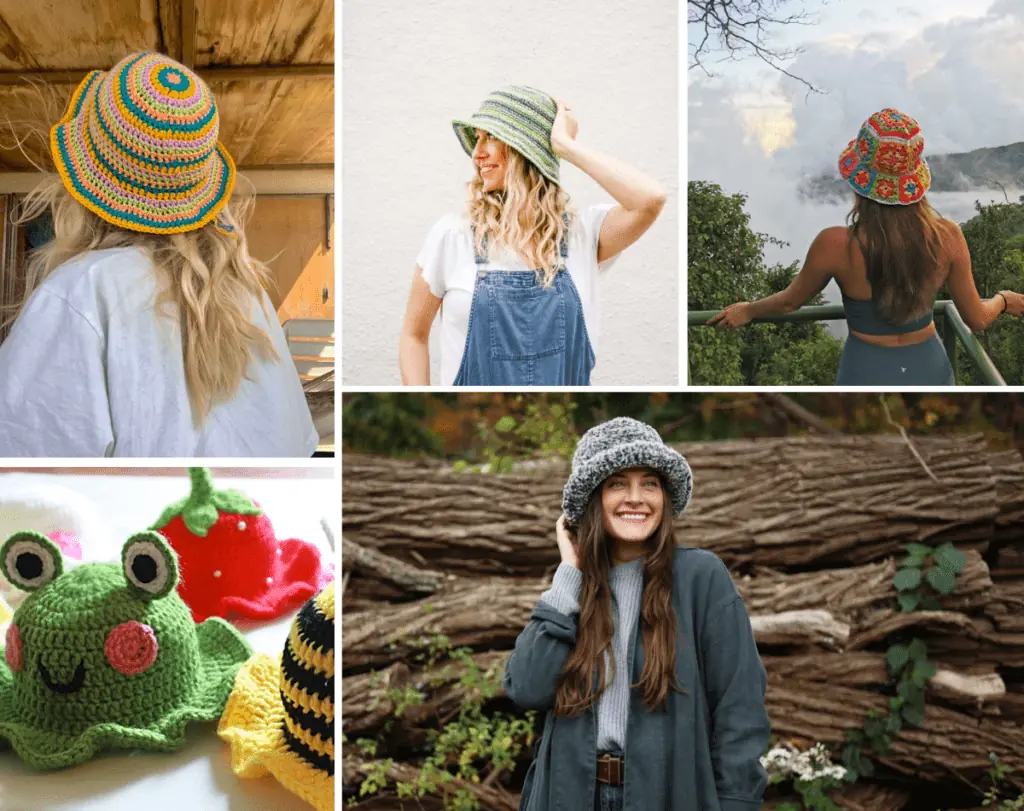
point(626, 581)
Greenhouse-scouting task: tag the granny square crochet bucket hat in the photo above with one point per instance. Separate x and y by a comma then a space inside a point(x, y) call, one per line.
point(138, 147)
point(884, 162)
point(279, 719)
point(619, 444)
point(231, 561)
point(521, 117)
point(106, 656)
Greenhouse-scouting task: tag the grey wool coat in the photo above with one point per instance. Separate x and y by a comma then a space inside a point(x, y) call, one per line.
point(702, 753)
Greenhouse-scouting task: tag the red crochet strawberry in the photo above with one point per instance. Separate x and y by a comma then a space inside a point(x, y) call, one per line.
point(229, 558)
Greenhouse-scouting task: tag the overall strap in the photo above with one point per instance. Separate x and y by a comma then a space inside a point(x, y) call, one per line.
point(481, 256)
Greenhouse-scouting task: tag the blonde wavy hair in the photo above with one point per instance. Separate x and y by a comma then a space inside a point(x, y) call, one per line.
point(206, 280)
point(527, 216)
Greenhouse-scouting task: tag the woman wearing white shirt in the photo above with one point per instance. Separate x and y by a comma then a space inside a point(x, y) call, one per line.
point(145, 328)
point(515, 277)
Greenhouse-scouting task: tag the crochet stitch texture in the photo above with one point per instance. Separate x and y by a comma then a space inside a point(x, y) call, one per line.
point(619, 444)
point(280, 716)
point(231, 561)
point(521, 117)
point(106, 656)
point(138, 147)
point(884, 162)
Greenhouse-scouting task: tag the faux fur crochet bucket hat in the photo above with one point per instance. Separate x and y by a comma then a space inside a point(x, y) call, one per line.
point(106, 656)
point(616, 445)
point(521, 117)
point(231, 560)
point(884, 162)
point(138, 147)
point(280, 717)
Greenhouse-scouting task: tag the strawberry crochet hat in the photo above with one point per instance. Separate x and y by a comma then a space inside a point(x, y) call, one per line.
point(231, 561)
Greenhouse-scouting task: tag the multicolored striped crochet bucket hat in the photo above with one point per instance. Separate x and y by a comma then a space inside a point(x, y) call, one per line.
point(279, 719)
point(138, 147)
point(884, 162)
point(106, 656)
point(521, 117)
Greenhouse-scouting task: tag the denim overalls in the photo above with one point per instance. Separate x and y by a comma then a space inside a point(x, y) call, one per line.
point(523, 334)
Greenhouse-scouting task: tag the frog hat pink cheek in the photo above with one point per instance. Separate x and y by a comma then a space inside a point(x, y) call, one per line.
point(13, 652)
point(131, 648)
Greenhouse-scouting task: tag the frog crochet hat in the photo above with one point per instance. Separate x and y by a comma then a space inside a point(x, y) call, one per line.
point(616, 445)
point(231, 561)
point(280, 717)
point(138, 147)
point(106, 656)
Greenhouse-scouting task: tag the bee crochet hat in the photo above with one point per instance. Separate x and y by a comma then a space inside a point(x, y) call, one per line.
point(616, 445)
point(106, 656)
point(231, 561)
point(280, 717)
point(521, 117)
point(884, 162)
point(138, 147)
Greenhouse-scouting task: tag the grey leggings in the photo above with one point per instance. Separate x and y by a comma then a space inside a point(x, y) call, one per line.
point(923, 364)
point(608, 798)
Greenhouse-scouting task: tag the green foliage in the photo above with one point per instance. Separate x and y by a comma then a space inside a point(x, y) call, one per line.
point(997, 774)
point(536, 426)
point(995, 237)
point(725, 264)
point(389, 423)
point(474, 743)
point(925, 574)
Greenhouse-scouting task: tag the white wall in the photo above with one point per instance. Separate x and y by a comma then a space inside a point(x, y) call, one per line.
point(411, 67)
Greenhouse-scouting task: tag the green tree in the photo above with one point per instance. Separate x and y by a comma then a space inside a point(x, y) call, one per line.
point(995, 237)
point(725, 264)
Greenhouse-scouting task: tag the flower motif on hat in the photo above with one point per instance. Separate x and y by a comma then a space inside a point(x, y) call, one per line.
point(885, 188)
point(885, 162)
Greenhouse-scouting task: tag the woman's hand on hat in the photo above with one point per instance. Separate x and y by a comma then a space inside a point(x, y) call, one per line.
point(735, 315)
point(566, 543)
point(563, 131)
point(1014, 303)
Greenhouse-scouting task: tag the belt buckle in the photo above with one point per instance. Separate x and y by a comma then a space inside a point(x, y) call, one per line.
point(614, 775)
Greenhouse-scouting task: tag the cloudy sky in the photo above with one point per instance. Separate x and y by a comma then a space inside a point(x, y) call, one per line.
point(957, 66)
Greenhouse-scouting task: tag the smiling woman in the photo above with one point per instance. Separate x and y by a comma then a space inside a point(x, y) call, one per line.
point(628, 608)
point(515, 276)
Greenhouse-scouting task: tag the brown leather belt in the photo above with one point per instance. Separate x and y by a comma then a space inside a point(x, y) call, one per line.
point(611, 770)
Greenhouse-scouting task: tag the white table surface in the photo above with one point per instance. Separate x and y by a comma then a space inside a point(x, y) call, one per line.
point(198, 777)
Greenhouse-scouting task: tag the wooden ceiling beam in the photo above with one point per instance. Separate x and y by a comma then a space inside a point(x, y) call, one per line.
point(188, 33)
point(225, 73)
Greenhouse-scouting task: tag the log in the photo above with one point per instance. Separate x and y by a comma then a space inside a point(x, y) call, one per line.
point(856, 797)
point(407, 578)
point(782, 503)
point(948, 744)
point(354, 769)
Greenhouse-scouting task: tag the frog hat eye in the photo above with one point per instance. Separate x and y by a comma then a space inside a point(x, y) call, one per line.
point(30, 560)
point(150, 565)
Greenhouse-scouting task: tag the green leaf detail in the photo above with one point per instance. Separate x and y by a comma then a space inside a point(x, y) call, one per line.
point(950, 559)
point(205, 504)
point(909, 601)
point(897, 657)
point(907, 579)
point(942, 580)
point(918, 650)
point(505, 424)
point(913, 714)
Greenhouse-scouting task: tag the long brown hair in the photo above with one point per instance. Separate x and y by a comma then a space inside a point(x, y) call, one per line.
point(901, 247)
point(595, 550)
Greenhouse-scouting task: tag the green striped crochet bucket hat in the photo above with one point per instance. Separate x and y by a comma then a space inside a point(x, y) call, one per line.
point(521, 117)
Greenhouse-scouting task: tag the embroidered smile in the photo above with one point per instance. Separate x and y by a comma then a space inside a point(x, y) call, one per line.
point(73, 686)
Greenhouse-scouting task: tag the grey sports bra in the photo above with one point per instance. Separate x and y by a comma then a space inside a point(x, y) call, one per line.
point(861, 316)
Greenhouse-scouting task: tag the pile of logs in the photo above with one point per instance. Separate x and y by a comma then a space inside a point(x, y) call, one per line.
point(812, 529)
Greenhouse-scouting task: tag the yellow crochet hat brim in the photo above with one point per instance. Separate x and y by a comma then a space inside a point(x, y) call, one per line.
point(252, 723)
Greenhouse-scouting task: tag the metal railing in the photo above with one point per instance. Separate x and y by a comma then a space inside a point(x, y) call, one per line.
point(950, 324)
